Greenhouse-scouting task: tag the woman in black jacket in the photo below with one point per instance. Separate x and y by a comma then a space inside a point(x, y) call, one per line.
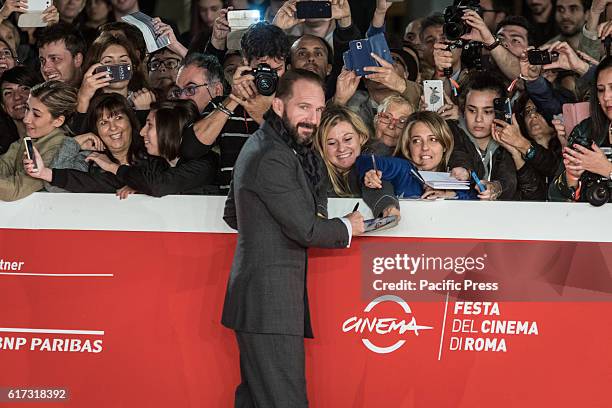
point(112, 121)
point(164, 172)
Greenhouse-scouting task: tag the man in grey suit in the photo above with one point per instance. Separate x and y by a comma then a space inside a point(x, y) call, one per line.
point(278, 204)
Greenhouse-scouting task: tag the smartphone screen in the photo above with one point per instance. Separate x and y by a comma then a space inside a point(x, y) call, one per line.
point(503, 109)
point(313, 9)
point(29, 148)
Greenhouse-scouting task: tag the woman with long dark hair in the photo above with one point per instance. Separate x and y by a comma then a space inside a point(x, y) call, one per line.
point(582, 153)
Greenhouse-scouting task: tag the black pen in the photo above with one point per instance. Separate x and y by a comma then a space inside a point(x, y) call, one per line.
point(374, 164)
point(356, 207)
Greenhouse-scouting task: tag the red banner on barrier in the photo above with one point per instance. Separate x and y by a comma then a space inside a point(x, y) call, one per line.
point(131, 319)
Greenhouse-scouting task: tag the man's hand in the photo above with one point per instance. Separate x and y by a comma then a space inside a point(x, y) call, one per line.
point(568, 59)
point(243, 85)
point(346, 86)
point(531, 72)
point(256, 107)
point(221, 29)
point(285, 16)
point(480, 31)
point(443, 58)
point(356, 220)
point(386, 75)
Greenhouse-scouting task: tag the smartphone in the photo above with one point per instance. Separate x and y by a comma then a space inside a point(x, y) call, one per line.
point(241, 19)
point(433, 91)
point(542, 57)
point(118, 72)
point(38, 5)
point(29, 148)
point(503, 109)
point(313, 9)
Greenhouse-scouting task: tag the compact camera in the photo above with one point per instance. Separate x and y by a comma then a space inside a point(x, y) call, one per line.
point(596, 189)
point(266, 79)
point(454, 26)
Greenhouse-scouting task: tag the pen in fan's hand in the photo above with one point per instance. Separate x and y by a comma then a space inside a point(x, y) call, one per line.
point(356, 207)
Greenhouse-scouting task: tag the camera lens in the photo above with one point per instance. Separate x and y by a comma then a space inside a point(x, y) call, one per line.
point(453, 31)
point(598, 194)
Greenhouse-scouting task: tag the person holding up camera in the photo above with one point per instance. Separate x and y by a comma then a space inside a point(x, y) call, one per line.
point(265, 48)
point(583, 159)
point(475, 29)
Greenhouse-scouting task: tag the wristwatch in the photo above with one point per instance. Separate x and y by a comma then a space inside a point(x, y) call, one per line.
point(493, 45)
point(530, 153)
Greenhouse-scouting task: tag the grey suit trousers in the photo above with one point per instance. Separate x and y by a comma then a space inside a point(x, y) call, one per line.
point(272, 370)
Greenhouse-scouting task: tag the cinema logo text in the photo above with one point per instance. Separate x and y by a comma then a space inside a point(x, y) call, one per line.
point(384, 326)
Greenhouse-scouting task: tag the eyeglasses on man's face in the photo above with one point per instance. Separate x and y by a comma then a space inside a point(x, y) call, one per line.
point(169, 64)
point(188, 91)
point(388, 119)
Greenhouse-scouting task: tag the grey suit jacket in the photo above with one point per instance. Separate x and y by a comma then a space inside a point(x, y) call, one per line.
point(275, 211)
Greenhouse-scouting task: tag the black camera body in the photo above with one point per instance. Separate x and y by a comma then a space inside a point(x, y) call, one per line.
point(454, 26)
point(266, 79)
point(596, 189)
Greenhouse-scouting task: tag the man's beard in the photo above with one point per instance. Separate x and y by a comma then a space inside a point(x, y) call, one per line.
point(294, 130)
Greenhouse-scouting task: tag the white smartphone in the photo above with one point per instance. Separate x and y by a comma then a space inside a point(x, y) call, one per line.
point(29, 149)
point(433, 91)
point(38, 5)
point(241, 19)
point(33, 17)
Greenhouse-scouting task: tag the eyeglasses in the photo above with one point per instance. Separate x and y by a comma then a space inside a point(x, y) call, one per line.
point(388, 119)
point(5, 53)
point(188, 90)
point(169, 63)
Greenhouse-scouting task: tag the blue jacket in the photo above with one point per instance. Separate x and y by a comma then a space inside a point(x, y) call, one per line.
point(398, 172)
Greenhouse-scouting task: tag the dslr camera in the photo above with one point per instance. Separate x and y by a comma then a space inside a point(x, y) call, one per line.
point(595, 188)
point(266, 79)
point(454, 26)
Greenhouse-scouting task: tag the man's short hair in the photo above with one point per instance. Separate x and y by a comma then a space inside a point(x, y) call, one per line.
point(432, 20)
point(284, 89)
point(264, 40)
point(72, 38)
point(214, 70)
point(481, 81)
point(519, 21)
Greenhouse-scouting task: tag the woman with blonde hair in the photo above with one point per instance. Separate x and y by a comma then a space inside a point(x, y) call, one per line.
point(49, 106)
point(340, 138)
point(425, 145)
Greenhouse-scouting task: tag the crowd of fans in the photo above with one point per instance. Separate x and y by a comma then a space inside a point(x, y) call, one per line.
point(177, 125)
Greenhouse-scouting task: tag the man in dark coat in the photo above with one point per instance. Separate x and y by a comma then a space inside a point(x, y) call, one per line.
point(278, 205)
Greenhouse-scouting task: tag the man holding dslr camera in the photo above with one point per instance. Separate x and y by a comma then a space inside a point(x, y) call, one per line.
point(463, 22)
point(264, 48)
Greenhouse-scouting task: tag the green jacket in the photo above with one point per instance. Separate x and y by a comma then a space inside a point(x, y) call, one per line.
point(558, 189)
point(14, 181)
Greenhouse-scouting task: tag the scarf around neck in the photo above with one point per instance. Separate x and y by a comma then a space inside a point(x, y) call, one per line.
point(310, 160)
